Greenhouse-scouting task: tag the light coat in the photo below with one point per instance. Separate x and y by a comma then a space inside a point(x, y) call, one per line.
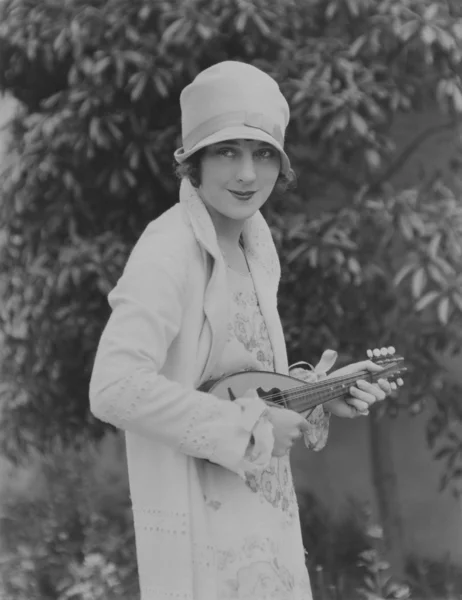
point(166, 330)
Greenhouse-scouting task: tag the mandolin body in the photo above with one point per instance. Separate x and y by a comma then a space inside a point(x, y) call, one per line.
point(265, 383)
point(298, 395)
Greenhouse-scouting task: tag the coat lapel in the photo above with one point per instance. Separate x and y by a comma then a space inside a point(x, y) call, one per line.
point(266, 273)
point(264, 267)
point(216, 293)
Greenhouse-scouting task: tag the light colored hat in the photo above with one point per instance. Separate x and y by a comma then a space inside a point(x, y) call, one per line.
point(233, 100)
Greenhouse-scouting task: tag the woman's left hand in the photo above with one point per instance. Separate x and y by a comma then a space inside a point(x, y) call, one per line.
point(363, 393)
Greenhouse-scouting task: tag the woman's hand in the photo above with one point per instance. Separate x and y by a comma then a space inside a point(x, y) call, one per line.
point(363, 393)
point(288, 427)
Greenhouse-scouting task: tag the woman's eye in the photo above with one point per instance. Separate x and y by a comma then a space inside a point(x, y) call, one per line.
point(228, 152)
point(267, 153)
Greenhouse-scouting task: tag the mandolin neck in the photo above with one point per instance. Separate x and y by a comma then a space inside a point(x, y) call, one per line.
point(312, 394)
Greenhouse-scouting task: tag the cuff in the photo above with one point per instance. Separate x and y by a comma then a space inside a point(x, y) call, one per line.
point(235, 453)
point(259, 449)
point(316, 436)
point(317, 418)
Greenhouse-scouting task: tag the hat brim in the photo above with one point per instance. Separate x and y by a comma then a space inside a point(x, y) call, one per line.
point(234, 133)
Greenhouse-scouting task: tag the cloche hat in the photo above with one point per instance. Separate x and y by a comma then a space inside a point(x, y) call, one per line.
point(232, 100)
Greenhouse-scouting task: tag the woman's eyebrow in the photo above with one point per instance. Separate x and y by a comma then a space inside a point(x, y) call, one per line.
point(236, 143)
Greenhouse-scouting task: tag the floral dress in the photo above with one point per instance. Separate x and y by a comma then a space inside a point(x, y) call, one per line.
point(254, 523)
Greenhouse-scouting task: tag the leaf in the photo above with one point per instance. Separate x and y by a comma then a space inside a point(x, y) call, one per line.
point(419, 280)
point(155, 169)
point(436, 275)
point(160, 85)
point(446, 40)
point(118, 135)
point(373, 158)
point(403, 273)
point(136, 58)
point(428, 35)
point(139, 87)
point(406, 227)
point(426, 300)
point(338, 123)
point(457, 30)
point(353, 6)
point(205, 32)
point(101, 65)
point(408, 30)
point(357, 45)
point(434, 245)
point(457, 299)
point(262, 26)
point(172, 30)
point(331, 10)
point(443, 310)
point(241, 21)
point(298, 251)
point(457, 99)
point(430, 12)
point(359, 124)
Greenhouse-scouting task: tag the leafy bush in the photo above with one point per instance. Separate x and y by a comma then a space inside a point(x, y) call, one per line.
point(68, 534)
point(433, 578)
point(345, 554)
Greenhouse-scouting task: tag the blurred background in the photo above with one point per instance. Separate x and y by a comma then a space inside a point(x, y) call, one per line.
point(370, 244)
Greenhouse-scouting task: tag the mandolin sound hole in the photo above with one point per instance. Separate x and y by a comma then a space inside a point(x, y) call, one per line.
point(274, 395)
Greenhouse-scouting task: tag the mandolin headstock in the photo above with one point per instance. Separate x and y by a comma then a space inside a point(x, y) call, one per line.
point(393, 364)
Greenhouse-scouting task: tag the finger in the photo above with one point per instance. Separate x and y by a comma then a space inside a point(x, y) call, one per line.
point(369, 365)
point(385, 385)
point(359, 405)
point(363, 395)
point(303, 426)
point(371, 389)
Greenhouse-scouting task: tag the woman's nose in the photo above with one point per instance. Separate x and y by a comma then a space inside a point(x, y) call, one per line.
point(246, 170)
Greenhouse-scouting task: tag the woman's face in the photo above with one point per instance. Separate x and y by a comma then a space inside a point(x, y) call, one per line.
point(234, 166)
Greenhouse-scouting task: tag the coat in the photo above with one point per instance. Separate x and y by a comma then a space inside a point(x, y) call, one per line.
point(161, 342)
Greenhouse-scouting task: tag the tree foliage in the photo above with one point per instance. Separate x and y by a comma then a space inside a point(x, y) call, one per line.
point(365, 263)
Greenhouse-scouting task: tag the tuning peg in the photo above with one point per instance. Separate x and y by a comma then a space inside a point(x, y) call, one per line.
point(377, 352)
point(393, 385)
point(384, 351)
point(370, 354)
point(400, 381)
point(391, 350)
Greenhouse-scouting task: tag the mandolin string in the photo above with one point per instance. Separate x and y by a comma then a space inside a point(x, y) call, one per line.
point(327, 383)
point(325, 397)
point(322, 397)
point(322, 401)
point(308, 388)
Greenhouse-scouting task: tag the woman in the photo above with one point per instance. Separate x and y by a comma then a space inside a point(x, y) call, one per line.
point(213, 500)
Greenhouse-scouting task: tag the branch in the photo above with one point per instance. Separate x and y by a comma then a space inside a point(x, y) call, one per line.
point(408, 151)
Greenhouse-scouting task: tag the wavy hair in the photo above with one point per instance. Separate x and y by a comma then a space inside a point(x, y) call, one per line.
point(191, 168)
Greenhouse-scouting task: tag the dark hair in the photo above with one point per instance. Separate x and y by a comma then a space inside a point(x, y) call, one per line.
point(191, 168)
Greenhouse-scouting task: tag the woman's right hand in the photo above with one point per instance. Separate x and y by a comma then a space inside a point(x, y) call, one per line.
point(288, 426)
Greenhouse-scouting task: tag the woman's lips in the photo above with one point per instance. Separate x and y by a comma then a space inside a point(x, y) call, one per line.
point(242, 195)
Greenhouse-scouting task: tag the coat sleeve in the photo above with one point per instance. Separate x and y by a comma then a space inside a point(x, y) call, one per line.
point(127, 389)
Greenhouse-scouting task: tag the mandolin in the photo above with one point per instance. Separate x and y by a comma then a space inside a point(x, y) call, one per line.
point(289, 392)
